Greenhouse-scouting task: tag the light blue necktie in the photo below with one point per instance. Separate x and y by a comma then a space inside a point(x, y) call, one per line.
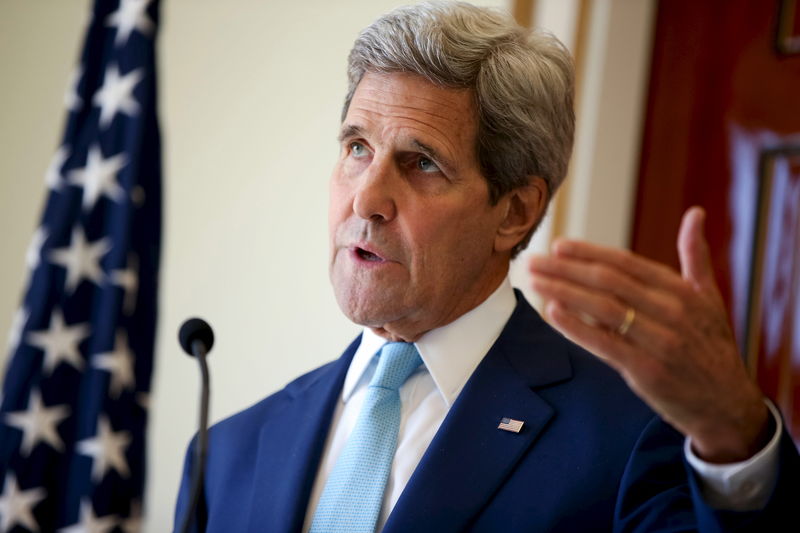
point(352, 498)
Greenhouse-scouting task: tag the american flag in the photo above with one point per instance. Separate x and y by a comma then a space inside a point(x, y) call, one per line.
point(509, 424)
point(74, 405)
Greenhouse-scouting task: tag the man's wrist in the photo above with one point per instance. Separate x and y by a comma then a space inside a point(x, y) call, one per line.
point(743, 485)
point(738, 433)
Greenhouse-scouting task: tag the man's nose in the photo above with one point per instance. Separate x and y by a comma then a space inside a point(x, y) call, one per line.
point(375, 197)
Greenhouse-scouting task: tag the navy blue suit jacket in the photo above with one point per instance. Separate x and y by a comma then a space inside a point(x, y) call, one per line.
point(590, 457)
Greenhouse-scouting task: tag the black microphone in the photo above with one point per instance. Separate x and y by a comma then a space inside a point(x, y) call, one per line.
point(196, 339)
point(196, 329)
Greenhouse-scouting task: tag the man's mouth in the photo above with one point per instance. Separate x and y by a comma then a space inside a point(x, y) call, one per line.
point(366, 255)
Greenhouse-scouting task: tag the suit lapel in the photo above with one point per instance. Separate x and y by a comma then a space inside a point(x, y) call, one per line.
point(290, 449)
point(469, 458)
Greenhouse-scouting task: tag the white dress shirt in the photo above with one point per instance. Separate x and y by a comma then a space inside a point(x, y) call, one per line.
point(450, 355)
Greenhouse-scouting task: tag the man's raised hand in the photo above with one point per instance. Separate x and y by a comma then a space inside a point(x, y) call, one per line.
point(666, 333)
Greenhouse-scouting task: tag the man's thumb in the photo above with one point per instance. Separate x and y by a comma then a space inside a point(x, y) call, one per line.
point(693, 249)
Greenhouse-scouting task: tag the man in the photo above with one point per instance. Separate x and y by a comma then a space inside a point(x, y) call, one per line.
point(456, 132)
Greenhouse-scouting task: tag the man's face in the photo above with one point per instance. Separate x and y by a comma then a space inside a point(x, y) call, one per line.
point(412, 232)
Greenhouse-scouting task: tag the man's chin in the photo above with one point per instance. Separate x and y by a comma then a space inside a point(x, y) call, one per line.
point(369, 318)
point(394, 324)
point(369, 313)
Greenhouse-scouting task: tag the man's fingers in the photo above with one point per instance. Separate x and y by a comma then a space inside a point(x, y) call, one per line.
point(602, 313)
point(601, 342)
point(608, 312)
point(642, 269)
point(607, 279)
point(693, 250)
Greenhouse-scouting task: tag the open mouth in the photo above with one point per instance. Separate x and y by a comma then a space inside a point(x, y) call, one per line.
point(367, 255)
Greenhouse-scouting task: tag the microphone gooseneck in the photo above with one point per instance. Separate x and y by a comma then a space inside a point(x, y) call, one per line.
point(196, 338)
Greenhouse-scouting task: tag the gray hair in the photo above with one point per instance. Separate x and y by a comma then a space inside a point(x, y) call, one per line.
point(523, 83)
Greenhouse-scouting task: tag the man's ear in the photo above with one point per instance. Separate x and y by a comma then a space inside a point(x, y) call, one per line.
point(524, 208)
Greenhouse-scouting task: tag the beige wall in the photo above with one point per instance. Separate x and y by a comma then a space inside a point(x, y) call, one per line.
point(250, 98)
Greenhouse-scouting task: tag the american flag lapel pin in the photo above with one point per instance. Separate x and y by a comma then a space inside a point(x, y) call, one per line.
point(509, 424)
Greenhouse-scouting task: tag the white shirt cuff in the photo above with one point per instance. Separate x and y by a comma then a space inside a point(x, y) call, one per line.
point(742, 486)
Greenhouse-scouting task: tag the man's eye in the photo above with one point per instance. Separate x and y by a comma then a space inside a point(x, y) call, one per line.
point(357, 149)
point(426, 165)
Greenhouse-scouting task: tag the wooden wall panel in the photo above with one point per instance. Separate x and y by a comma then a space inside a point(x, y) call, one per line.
point(725, 98)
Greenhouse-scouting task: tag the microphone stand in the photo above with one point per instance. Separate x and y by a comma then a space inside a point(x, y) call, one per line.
point(199, 350)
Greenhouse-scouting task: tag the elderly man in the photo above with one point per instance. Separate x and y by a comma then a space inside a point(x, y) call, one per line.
point(458, 408)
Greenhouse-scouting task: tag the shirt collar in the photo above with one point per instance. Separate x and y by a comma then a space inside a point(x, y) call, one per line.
point(450, 353)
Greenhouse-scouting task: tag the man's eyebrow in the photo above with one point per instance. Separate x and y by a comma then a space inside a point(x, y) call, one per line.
point(350, 130)
point(433, 154)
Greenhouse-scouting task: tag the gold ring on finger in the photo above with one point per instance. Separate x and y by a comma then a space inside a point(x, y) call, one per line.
point(627, 322)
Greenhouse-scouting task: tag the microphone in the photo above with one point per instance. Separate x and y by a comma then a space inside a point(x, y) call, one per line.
point(196, 329)
point(196, 338)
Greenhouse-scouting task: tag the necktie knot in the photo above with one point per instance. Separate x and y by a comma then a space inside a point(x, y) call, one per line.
point(397, 360)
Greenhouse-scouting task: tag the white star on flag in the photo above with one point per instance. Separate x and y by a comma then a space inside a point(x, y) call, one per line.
point(81, 259)
point(98, 177)
point(52, 178)
point(90, 522)
point(119, 364)
point(132, 14)
point(128, 279)
point(116, 94)
point(59, 342)
point(38, 423)
point(16, 506)
point(17, 326)
point(107, 450)
point(34, 253)
point(72, 99)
